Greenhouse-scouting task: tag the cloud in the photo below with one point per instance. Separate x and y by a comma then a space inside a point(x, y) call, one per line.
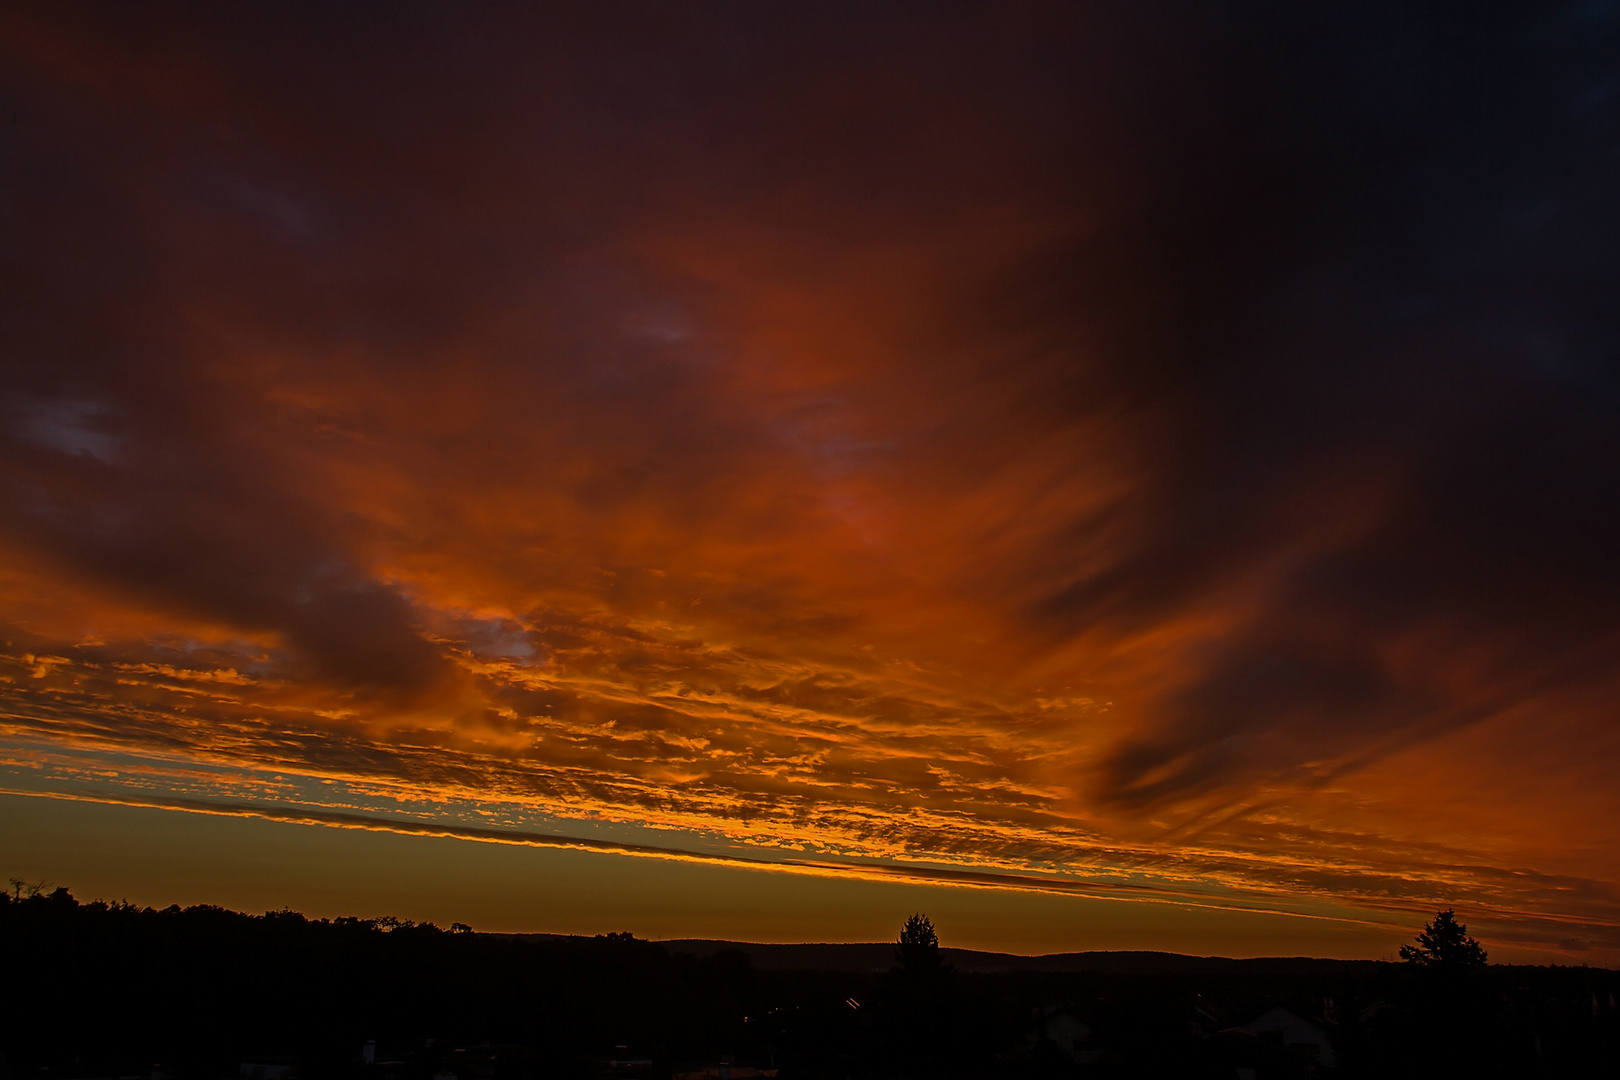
point(1096, 439)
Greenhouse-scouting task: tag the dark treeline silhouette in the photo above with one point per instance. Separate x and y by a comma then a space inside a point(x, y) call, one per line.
point(202, 993)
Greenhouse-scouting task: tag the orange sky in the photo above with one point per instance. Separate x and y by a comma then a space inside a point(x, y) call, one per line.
point(1039, 449)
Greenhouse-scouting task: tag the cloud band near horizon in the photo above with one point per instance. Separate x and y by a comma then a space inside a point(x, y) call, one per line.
point(1116, 443)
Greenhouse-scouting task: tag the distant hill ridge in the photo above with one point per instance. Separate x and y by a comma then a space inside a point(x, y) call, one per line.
point(879, 956)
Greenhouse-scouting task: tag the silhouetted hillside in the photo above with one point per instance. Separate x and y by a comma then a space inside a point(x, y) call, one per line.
point(202, 993)
point(879, 956)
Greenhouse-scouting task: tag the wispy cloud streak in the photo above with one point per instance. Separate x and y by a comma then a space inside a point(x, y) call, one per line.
point(1163, 453)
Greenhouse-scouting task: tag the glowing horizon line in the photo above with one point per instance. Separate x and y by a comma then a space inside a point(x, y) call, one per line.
point(869, 871)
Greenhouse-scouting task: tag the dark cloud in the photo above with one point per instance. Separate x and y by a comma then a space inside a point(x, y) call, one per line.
point(1371, 286)
point(937, 429)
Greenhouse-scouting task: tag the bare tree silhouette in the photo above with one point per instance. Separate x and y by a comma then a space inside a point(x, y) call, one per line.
point(23, 890)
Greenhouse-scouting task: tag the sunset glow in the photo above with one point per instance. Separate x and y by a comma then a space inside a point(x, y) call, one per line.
point(1042, 458)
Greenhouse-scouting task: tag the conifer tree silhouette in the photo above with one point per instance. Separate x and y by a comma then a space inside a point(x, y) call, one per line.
point(1444, 945)
point(917, 952)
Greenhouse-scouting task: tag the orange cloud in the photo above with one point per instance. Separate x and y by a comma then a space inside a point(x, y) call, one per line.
point(929, 464)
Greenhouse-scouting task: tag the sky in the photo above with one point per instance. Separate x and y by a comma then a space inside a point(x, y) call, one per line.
point(1109, 475)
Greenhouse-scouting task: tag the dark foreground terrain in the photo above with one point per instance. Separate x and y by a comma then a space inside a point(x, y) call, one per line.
point(111, 990)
